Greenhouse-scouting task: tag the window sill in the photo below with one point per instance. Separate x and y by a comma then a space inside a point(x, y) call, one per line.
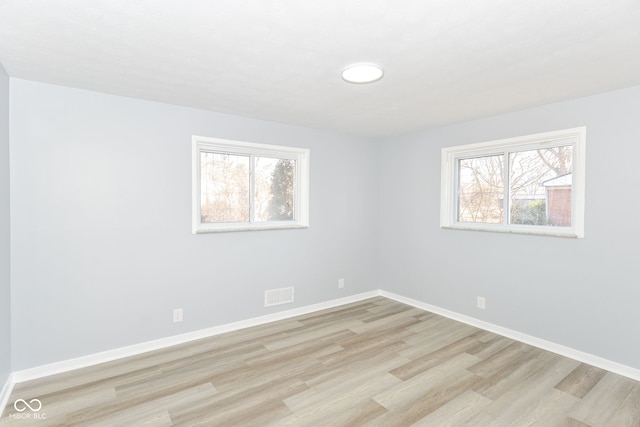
point(530, 230)
point(252, 227)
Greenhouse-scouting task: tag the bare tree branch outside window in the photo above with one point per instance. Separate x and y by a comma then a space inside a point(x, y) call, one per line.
point(225, 187)
point(481, 187)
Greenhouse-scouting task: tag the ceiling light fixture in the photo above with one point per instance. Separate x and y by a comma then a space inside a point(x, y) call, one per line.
point(362, 73)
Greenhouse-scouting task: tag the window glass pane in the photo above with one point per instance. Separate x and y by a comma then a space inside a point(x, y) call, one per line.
point(540, 187)
point(481, 190)
point(224, 187)
point(274, 189)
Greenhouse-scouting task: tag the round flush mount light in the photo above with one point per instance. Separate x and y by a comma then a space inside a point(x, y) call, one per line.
point(362, 73)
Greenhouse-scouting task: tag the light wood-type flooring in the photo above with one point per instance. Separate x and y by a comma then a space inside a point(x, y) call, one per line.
point(372, 363)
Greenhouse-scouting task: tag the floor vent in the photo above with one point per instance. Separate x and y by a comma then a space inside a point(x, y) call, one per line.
point(278, 296)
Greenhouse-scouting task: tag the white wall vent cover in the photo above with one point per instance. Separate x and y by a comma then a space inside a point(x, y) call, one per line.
point(278, 296)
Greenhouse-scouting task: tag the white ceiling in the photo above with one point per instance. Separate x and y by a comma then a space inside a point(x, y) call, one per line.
point(445, 61)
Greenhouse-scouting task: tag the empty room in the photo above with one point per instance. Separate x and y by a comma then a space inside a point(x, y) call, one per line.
point(336, 213)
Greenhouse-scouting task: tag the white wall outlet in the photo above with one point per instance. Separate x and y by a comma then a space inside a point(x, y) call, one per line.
point(341, 283)
point(481, 303)
point(177, 315)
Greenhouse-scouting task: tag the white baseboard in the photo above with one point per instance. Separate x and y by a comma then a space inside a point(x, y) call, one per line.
point(5, 394)
point(119, 353)
point(110, 355)
point(571, 353)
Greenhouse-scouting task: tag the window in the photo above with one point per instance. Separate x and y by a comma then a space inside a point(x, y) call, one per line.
point(246, 186)
point(532, 184)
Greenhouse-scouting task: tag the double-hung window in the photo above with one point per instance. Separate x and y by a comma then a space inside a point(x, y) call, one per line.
point(532, 184)
point(246, 186)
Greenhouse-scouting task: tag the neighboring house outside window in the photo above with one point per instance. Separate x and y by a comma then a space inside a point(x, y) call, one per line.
point(558, 196)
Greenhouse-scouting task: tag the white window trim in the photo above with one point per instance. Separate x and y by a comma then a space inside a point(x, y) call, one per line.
point(301, 198)
point(448, 199)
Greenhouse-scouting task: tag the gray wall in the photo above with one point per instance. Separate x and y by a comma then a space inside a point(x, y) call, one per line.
point(5, 255)
point(581, 293)
point(101, 234)
point(102, 249)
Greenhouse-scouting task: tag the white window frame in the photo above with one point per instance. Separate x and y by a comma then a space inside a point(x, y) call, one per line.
point(301, 184)
point(449, 177)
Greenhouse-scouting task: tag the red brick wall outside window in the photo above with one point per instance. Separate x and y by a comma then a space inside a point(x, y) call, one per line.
point(559, 206)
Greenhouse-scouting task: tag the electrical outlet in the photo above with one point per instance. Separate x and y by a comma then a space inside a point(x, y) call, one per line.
point(482, 303)
point(341, 283)
point(177, 315)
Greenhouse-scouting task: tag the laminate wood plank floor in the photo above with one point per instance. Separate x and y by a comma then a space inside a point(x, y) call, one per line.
point(372, 363)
